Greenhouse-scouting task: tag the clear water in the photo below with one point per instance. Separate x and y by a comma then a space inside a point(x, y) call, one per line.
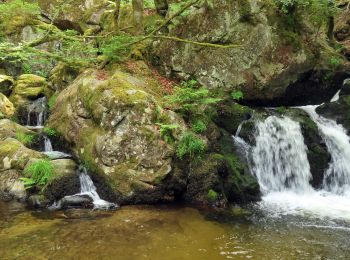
point(166, 232)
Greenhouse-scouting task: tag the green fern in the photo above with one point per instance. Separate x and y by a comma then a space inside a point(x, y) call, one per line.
point(38, 173)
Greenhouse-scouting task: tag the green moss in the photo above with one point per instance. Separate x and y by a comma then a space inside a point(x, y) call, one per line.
point(24, 138)
point(212, 195)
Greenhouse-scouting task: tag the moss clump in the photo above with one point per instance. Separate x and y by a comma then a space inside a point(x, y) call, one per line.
point(212, 195)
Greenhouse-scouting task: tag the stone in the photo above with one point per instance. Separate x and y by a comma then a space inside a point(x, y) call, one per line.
point(272, 65)
point(111, 122)
point(10, 129)
point(65, 180)
point(6, 107)
point(6, 84)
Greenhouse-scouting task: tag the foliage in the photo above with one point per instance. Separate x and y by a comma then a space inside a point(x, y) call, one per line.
point(191, 100)
point(335, 61)
point(318, 10)
point(50, 131)
point(237, 95)
point(212, 195)
point(166, 132)
point(52, 101)
point(26, 139)
point(190, 146)
point(14, 14)
point(116, 47)
point(38, 174)
point(199, 126)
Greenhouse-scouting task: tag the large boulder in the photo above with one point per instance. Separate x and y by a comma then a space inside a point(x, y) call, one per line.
point(6, 107)
point(272, 65)
point(110, 121)
point(80, 15)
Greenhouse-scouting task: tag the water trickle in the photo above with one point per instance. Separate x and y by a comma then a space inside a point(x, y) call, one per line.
point(47, 144)
point(38, 111)
point(280, 156)
point(87, 187)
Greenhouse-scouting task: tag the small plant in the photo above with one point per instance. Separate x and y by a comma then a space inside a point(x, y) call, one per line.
point(38, 174)
point(166, 132)
point(190, 145)
point(50, 132)
point(190, 100)
point(335, 62)
point(237, 95)
point(52, 101)
point(24, 138)
point(199, 126)
point(212, 195)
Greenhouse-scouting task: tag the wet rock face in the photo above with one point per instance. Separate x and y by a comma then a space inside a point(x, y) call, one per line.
point(272, 66)
point(111, 123)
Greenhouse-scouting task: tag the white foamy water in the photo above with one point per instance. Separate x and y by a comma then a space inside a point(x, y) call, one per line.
point(280, 156)
point(283, 171)
point(87, 187)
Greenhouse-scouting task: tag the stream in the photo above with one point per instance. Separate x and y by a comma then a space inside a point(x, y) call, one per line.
point(174, 232)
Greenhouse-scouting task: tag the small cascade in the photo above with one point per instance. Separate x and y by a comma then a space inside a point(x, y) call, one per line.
point(337, 177)
point(47, 144)
point(280, 156)
point(37, 113)
point(88, 188)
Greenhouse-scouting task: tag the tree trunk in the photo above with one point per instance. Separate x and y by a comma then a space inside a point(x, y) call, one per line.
point(117, 12)
point(161, 6)
point(137, 11)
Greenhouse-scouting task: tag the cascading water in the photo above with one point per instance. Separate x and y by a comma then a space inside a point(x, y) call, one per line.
point(337, 177)
point(280, 158)
point(280, 164)
point(88, 188)
point(47, 144)
point(38, 111)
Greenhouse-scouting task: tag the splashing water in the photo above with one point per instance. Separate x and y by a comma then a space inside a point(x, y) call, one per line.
point(47, 144)
point(87, 187)
point(281, 166)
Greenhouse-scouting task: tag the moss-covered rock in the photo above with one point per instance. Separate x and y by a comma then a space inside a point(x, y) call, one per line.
point(65, 180)
point(10, 129)
point(80, 15)
point(28, 87)
point(6, 107)
point(14, 157)
point(111, 121)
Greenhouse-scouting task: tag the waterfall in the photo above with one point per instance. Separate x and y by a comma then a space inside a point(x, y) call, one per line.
point(47, 144)
point(87, 187)
point(337, 176)
point(281, 166)
point(38, 110)
point(280, 156)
